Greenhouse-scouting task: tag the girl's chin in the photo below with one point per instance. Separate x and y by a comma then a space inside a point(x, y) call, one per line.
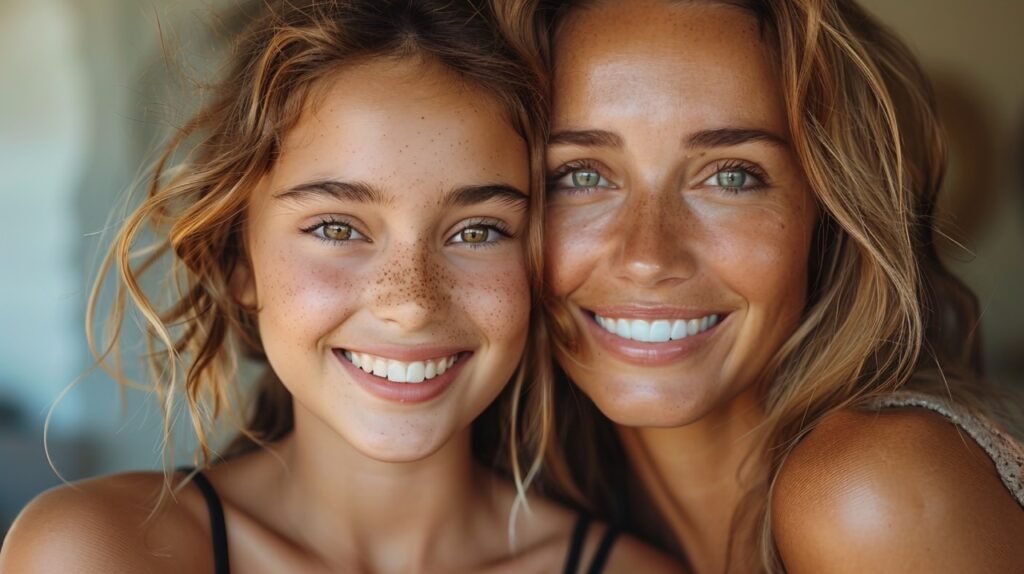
point(396, 449)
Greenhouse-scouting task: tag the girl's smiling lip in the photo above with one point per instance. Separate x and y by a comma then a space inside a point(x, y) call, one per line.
point(652, 336)
point(403, 374)
point(408, 353)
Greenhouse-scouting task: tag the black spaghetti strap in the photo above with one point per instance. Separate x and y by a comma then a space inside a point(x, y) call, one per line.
point(218, 527)
point(604, 549)
point(579, 534)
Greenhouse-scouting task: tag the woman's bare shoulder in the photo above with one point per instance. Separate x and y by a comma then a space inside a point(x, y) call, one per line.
point(900, 489)
point(108, 524)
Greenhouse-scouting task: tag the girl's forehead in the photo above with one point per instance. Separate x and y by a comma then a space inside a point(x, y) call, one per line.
point(400, 124)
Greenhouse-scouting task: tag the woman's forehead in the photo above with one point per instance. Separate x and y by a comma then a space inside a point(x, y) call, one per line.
point(705, 61)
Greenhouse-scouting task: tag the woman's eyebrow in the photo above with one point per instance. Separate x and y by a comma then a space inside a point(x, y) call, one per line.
point(720, 137)
point(343, 190)
point(474, 194)
point(586, 138)
point(727, 137)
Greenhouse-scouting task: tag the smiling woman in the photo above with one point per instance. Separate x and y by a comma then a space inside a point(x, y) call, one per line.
point(361, 211)
point(743, 280)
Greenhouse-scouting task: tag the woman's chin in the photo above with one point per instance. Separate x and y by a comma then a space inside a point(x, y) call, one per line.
point(639, 404)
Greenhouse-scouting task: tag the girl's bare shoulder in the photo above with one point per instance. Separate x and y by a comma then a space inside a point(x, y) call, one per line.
point(900, 489)
point(110, 525)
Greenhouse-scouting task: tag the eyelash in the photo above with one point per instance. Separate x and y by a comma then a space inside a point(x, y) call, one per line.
point(727, 165)
point(568, 168)
point(332, 220)
point(498, 226)
point(744, 166)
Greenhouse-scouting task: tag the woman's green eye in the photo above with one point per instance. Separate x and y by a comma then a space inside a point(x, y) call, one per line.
point(474, 235)
point(732, 178)
point(337, 231)
point(586, 178)
point(579, 179)
point(736, 179)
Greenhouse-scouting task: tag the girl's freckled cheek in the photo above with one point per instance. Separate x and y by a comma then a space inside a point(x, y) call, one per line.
point(499, 300)
point(303, 294)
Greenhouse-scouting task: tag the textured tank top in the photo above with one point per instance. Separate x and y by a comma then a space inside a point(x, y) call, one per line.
point(1005, 452)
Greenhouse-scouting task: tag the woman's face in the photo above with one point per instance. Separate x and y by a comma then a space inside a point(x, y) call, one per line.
point(387, 261)
point(679, 222)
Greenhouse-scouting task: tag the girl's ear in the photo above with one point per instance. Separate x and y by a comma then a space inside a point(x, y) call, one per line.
point(241, 284)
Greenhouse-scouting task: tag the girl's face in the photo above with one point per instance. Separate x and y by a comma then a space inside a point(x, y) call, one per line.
point(387, 261)
point(679, 222)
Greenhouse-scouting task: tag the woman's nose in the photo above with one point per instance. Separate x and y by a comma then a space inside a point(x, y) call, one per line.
point(654, 240)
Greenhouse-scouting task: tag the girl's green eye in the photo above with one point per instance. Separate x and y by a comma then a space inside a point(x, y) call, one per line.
point(337, 231)
point(474, 234)
point(731, 178)
point(586, 178)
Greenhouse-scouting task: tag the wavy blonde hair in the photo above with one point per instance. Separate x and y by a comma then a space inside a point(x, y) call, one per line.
point(193, 213)
point(883, 312)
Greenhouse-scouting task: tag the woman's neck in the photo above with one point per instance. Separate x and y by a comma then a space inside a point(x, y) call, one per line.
point(698, 474)
point(393, 516)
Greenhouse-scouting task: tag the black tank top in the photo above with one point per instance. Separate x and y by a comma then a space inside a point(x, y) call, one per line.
point(219, 533)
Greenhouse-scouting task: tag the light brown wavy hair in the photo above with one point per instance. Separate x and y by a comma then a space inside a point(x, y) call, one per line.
point(194, 209)
point(883, 312)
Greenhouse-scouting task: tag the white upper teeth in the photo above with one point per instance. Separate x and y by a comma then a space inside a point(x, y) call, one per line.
point(399, 371)
point(658, 331)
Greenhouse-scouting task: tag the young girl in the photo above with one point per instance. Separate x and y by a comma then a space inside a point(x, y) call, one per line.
point(360, 209)
point(747, 286)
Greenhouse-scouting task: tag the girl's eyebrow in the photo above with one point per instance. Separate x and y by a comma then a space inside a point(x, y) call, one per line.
point(474, 194)
point(341, 190)
point(362, 192)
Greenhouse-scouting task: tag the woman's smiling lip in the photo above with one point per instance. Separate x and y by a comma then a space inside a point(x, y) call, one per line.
point(650, 313)
point(652, 353)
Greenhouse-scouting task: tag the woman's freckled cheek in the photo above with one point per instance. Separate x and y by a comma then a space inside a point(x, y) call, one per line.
point(760, 253)
point(576, 240)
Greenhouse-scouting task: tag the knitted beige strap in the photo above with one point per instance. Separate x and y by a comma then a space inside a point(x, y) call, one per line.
point(1005, 452)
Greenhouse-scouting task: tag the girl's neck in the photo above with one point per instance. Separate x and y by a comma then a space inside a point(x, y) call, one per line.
point(339, 503)
point(698, 474)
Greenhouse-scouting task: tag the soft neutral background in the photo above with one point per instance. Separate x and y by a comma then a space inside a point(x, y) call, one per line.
point(87, 94)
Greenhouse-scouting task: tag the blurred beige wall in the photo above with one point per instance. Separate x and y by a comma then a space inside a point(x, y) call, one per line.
point(974, 51)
